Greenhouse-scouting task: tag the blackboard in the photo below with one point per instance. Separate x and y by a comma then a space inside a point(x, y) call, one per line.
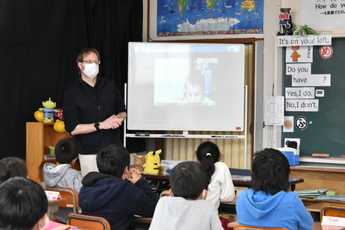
point(325, 132)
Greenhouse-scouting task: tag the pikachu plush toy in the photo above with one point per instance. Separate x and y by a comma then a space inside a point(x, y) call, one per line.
point(152, 162)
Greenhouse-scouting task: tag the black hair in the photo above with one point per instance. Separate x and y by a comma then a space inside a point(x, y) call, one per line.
point(11, 167)
point(23, 203)
point(188, 180)
point(67, 150)
point(208, 153)
point(270, 171)
point(113, 160)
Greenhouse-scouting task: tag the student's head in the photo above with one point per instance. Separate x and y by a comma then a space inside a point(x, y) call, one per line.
point(188, 180)
point(11, 167)
point(113, 160)
point(270, 171)
point(194, 86)
point(23, 205)
point(66, 150)
point(207, 154)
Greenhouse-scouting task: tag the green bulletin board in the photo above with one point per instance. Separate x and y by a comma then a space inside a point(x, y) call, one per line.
point(325, 129)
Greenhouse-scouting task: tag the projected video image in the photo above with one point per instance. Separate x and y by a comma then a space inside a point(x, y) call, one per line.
point(185, 86)
point(185, 81)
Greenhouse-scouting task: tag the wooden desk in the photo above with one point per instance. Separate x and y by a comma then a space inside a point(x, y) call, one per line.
point(228, 207)
point(318, 226)
point(315, 210)
point(245, 181)
point(320, 178)
point(238, 180)
point(139, 222)
point(314, 207)
point(53, 206)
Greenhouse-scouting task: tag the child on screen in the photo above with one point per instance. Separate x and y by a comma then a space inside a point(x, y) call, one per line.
point(194, 90)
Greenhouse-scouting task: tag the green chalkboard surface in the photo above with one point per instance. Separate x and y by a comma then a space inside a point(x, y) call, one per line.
point(325, 132)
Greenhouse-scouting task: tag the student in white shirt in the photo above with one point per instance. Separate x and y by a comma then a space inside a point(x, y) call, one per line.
point(221, 187)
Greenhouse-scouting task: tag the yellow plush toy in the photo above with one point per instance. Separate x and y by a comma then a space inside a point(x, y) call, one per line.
point(152, 162)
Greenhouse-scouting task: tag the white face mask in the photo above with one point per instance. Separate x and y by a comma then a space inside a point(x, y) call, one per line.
point(91, 70)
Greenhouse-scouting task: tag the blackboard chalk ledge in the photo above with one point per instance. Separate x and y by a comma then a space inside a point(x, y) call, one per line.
point(330, 160)
point(321, 163)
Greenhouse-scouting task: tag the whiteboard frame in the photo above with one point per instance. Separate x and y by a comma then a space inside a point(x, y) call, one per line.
point(142, 86)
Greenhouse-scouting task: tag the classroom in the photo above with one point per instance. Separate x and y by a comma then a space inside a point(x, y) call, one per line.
point(285, 95)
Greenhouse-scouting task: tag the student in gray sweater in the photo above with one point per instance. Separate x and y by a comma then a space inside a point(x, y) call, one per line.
point(62, 174)
point(186, 207)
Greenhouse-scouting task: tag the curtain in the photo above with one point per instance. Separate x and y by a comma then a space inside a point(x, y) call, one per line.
point(39, 43)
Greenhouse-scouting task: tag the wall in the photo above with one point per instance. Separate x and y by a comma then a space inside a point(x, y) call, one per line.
point(272, 68)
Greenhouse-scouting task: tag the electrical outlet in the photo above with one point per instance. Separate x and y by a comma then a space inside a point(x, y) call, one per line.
point(297, 140)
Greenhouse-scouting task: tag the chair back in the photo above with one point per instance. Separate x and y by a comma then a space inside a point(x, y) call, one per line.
point(330, 209)
point(247, 227)
point(86, 222)
point(164, 193)
point(70, 194)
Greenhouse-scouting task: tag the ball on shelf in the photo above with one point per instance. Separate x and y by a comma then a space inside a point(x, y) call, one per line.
point(59, 126)
point(38, 115)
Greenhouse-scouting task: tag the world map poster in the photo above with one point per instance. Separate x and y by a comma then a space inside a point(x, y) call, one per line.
point(209, 17)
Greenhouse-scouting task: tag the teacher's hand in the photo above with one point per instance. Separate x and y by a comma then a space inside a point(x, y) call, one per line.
point(112, 122)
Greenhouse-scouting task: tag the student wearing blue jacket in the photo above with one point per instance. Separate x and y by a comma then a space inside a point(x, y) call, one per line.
point(268, 203)
point(116, 192)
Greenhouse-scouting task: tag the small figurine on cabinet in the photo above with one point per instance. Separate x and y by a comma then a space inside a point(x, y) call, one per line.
point(48, 110)
point(59, 114)
point(286, 26)
point(152, 162)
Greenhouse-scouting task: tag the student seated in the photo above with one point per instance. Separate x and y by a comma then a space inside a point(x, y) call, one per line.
point(62, 174)
point(11, 167)
point(116, 192)
point(186, 207)
point(268, 203)
point(221, 187)
point(23, 205)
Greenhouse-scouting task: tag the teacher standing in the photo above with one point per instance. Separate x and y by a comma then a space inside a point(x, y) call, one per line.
point(93, 110)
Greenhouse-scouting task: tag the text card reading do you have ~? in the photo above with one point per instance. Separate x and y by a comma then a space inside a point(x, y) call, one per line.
point(301, 76)
point(311, 80)
point(296, 69)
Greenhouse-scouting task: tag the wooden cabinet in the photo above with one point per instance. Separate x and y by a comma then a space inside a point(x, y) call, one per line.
point(39, 136)
point(320, 178)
